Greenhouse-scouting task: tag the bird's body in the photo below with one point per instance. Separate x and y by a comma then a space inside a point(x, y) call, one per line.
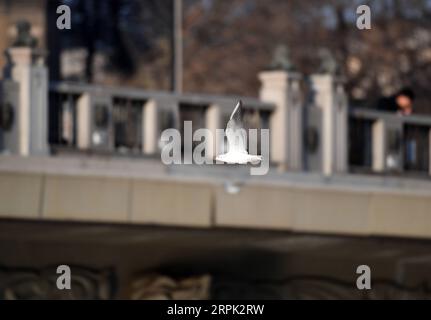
point(237, 137)
point(238, 158)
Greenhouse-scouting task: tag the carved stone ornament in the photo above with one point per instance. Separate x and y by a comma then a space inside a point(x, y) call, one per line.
point(162, 287)
point(29, 284)
point(281, 59)
point(24, 37)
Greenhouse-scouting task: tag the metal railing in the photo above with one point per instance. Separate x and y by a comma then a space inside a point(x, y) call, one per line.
point(115, 120)
point(320, 135)
point(385, 142)
point(127, 121)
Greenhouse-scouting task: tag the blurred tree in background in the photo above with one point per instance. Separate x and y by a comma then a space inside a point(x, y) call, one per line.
point(226, 43)
point(229, 42)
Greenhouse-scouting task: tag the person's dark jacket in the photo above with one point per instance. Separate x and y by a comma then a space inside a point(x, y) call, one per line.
point(388, 104)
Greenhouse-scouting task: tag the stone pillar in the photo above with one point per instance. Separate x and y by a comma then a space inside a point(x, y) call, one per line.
point(28, 70)
point(282, 88)
point(150, 127)
point(330, 97)
point(213, 122)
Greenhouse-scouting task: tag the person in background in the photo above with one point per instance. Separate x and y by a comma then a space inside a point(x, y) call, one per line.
point(401, 102)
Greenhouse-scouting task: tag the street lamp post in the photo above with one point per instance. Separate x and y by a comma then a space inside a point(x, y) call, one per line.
point(177, 76)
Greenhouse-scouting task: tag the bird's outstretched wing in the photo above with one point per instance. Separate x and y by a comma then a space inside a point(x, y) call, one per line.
point(235, 132)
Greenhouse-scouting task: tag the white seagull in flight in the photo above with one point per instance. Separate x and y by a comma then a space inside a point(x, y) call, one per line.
point(236, 139)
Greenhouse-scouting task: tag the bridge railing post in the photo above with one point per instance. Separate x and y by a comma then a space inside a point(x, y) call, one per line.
point(94, 122)
point(150, 127)
point(83, 125)
point(283, 89)
point(213, 122)
point(386, 145)
point(158, 114)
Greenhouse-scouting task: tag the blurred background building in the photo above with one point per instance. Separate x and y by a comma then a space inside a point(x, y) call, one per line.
point(82, 184)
